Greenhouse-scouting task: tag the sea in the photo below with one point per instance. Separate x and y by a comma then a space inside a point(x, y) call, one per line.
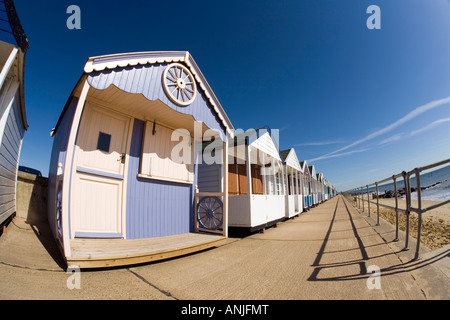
point(435, 185)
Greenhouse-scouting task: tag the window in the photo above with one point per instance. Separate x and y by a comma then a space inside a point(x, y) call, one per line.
point(167, 154)
point(104, 142)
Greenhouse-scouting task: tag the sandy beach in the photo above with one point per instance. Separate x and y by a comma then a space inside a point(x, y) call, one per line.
point(436, 222)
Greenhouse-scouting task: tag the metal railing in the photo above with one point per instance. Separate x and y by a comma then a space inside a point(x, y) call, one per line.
point(360, 193)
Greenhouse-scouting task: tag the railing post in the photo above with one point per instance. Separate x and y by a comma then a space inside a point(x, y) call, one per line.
point(357, 198)
point(378, 206)
point(396, 208)
point(408, 208)
point(419, 212)
point(368, 200)
point(362, 197)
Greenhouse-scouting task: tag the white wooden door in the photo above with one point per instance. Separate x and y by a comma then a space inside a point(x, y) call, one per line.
point(99, 168)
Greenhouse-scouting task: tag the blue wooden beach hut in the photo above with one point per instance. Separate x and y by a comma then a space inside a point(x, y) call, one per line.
point(13, 119)
point(313, 181)
point(307, 185)
point(124, 167)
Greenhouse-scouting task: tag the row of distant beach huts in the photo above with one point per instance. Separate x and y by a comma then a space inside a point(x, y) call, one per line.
point(116, 193)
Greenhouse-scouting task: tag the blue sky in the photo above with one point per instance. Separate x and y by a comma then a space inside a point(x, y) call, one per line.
point(360, 104)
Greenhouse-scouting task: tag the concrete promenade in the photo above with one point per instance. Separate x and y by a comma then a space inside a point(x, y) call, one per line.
point(325, 253)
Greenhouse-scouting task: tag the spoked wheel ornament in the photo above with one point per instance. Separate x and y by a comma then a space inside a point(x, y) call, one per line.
point(210, 213)
point(179, 84)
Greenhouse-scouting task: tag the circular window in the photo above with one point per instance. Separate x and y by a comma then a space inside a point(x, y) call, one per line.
point(179, 84)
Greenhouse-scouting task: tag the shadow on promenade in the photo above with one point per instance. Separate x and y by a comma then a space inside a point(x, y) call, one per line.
point(361, 263)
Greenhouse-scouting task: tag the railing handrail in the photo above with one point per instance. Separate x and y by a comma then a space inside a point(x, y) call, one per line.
point(359, 193)
point(412, 172)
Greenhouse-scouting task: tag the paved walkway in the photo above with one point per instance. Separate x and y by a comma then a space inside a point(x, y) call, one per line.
point(325, 253)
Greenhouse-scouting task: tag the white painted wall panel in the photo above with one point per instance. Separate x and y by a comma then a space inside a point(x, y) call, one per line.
point(239, 214)
point(158, 161)
point(267, 209)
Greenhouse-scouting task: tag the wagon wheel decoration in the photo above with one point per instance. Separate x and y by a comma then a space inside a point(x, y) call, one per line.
point(179, 84)
point(210, 213)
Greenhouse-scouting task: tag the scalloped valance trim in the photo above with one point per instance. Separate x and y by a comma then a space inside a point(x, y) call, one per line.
point(110, 62)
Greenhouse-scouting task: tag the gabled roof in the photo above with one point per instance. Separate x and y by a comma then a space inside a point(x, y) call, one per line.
point(289, 158)
point(312, 171)
point(122, 60)
point(260, 139)
point(284, 154)
point(13, 39)
point(11, 30)
point(305, 168)
point(113, 61)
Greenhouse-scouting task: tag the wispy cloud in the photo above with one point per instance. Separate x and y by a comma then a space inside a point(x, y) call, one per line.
point(323, 143)
point(413, 114)
point(430, 126)
point(403, 135)
point(285, 127)
point(394, 138)
point(338, 155)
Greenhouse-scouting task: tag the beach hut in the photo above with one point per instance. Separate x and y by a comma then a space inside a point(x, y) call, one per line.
point(124, 166)
point(307, 185)
point(13, 119)
point(330, 190)
point(313, 181)
point(293, 175)
point(320, 187)
point(326, 192)
point(256, 181)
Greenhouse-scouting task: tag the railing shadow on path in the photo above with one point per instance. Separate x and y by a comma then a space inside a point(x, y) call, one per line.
point(363, 274)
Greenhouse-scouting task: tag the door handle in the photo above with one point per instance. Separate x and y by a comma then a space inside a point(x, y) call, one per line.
point(122, 158)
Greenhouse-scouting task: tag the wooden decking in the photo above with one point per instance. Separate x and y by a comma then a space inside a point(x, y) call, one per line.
point(103, 253)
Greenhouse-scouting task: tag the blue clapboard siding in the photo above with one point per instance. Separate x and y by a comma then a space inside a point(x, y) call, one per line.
point(147, 80)
point(155, 208)
point(58, 155)
point(9, 158)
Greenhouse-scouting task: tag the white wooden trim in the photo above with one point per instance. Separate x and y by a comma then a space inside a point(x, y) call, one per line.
point(274, 176)
point(146, 176)
point(68, 169)
point(225, 188)
point(8, 65)
point(9, 99)
point(125, 180)
point(287, 178)
point(248, 165)
point(264, 177)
